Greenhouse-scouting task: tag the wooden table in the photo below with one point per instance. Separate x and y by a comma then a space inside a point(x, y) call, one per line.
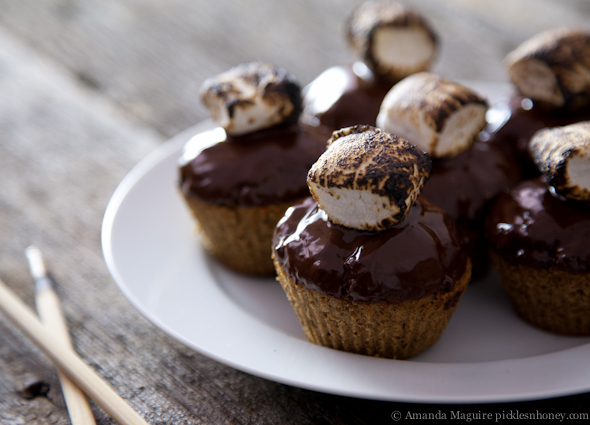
point(87, 89)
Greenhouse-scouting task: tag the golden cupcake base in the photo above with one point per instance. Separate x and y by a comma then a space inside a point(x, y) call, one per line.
point(389, 330)
point(553, 300)
point(239, 237)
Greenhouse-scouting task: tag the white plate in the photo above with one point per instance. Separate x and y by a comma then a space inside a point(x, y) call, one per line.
point(486, 354)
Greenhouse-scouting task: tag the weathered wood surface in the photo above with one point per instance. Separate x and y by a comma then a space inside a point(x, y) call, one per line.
point(87, 89)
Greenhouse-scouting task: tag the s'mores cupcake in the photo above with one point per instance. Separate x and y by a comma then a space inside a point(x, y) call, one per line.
point(239, 178)
point(551, 76)
point(444, 118)
point(391, 42)
point(369, 266)
point(539, 234)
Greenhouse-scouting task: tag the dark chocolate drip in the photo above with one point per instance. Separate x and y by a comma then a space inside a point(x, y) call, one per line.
point(533, 227)
point(342, 98)
point(465, 185)
point(266, 167)
point(418, 257)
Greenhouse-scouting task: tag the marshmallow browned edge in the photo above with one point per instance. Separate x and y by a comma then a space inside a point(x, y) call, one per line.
point(251, 97)
point(391, 39)
point(439, 116)
point(368, 179)
point(553, 68)
point(562, 154)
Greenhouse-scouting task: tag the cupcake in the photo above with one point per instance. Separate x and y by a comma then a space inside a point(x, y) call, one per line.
point(392, 42)
point(239, 178)
point(445, 118)
point(551, 76)
point(539, 234)
point(369, 266)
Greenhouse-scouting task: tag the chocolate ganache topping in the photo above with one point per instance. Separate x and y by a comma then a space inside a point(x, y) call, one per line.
point(265, 167)
point(533, 227)
point(464, 185)
point(418, 257)
point(343, 96)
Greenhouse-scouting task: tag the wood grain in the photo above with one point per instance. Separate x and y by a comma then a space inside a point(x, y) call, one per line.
point(149, 58)
point(51, 315)
point(56, 348)
point(87, 89)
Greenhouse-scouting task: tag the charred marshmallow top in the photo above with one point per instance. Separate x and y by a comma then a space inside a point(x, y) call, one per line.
point(553, 68)
point(251, 97)
point(368, 179)
point(562, 154)
point(437, 115)
point(392, 40)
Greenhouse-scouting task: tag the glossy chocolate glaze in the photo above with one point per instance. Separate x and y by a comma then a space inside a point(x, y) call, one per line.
point(343, 96)
point(465, 185)
point(418, 257)
point(531, 226)
point(266, 167)
point(524, 120)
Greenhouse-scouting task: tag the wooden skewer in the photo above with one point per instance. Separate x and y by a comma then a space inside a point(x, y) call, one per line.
point(67, 360)
point(49, 310)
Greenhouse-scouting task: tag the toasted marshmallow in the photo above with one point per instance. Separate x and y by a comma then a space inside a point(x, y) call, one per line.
point(392, 40)
point(437, 115)
point(368, 179)
point(553, 68)
point(562, 154)
point(250, 97)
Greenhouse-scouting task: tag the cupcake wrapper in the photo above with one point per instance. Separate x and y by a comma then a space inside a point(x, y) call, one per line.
point(553, 300)
point(238, 237)
point(397, 330)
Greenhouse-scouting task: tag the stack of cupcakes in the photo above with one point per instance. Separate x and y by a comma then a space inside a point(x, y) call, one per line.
point(376, 260)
